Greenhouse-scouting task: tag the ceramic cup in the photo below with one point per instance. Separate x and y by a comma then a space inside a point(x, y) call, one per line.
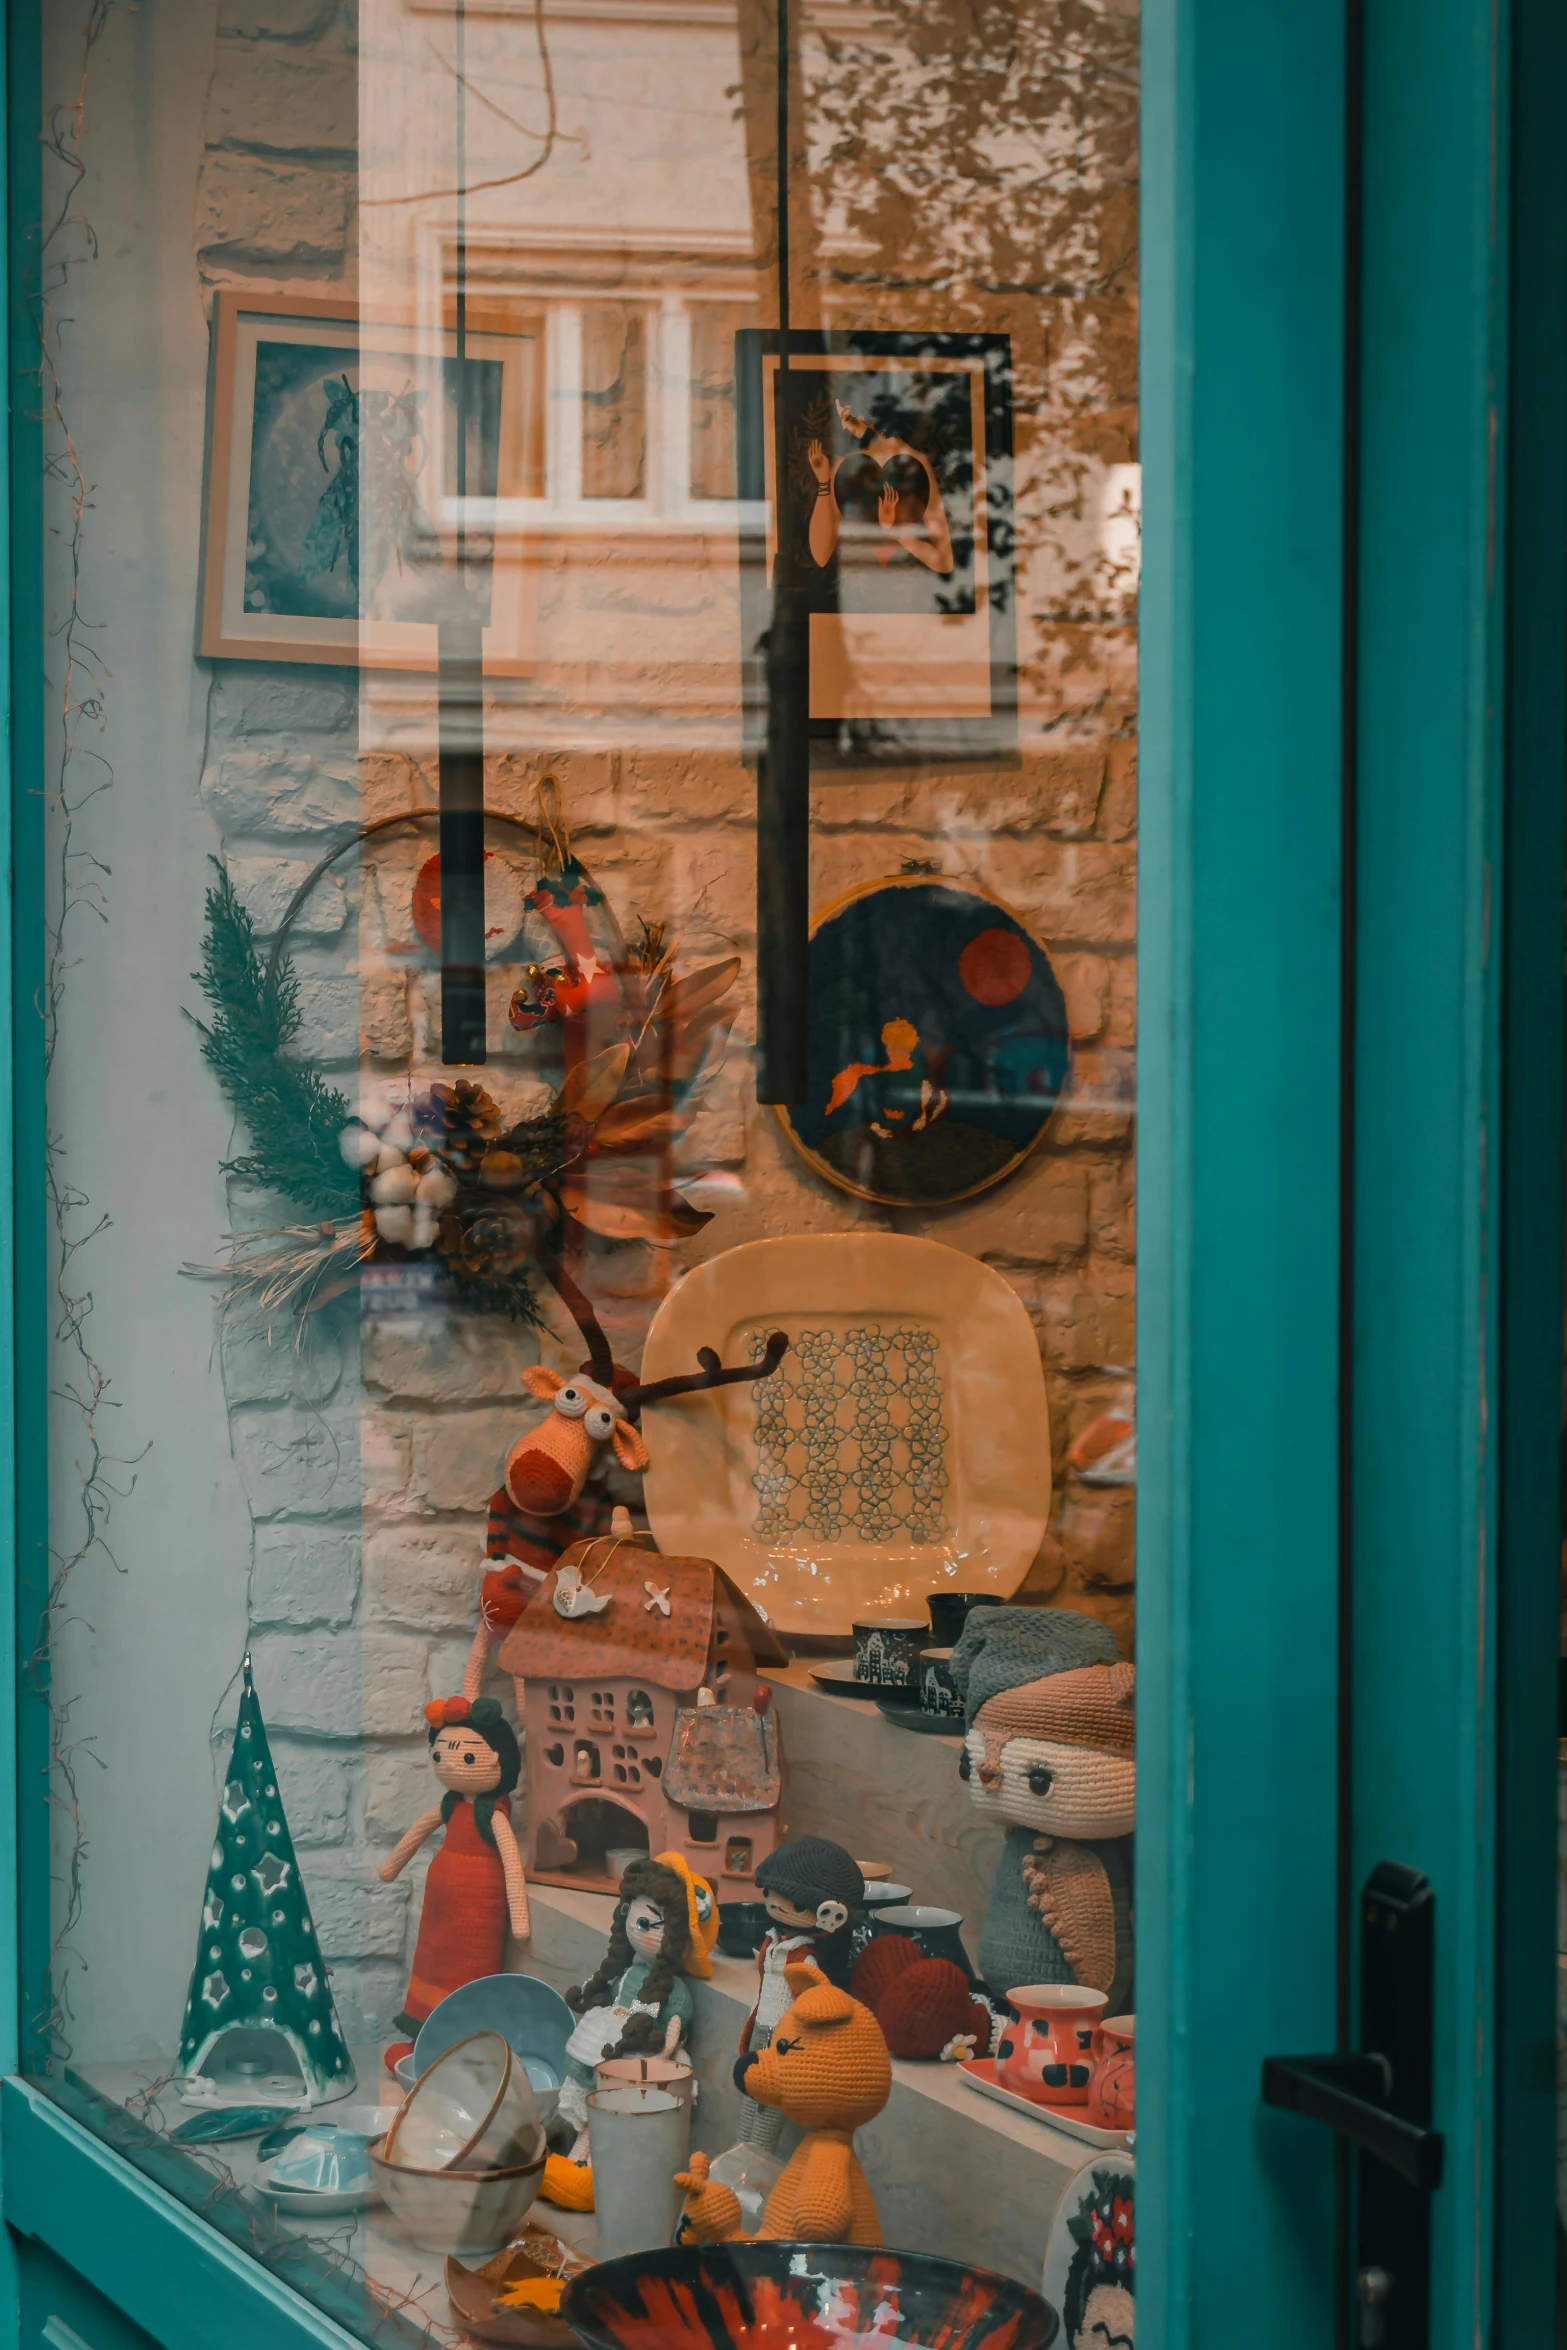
point(469, 2110)
point(949, 1612)
point(1048, 2054)
point(1112, 2091)
point(619, 1858)
point(938, 1690)
point(638, 2138)
point(886, 1649)
point(652, 2072)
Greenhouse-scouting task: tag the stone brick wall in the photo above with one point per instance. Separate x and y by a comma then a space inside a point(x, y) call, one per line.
point(367, 1454)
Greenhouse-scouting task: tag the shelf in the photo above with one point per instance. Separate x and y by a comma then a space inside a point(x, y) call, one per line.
point(952, 2172)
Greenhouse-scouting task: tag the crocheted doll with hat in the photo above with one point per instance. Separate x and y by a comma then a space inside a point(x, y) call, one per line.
point(827, 2068)
point(475, 1887)
point(1055, 1759)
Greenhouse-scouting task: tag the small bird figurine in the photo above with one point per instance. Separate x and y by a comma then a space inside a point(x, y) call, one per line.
point(572, 1597)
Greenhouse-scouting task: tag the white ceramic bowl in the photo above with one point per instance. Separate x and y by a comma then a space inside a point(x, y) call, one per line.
point(463, 2211)
point(472, 2109)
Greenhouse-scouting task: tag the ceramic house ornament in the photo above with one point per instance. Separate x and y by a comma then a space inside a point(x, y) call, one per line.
point(647, 1726)
point(260, 2027)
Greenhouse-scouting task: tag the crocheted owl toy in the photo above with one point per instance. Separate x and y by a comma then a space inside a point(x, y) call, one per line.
point(1055, 1759)
point(826, 2068)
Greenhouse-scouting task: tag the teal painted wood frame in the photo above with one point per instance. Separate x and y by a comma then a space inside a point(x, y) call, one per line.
point(1458, 1202)
point(1534, 1184)
point(1238, 1139)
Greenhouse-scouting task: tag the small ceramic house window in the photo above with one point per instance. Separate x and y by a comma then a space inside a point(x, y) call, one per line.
point(585, 1767)
point(562, 1702)
point(603, 1709)
point(737, 1857)
point(704, 1827)
point(627, 1767)
point(639, 1710)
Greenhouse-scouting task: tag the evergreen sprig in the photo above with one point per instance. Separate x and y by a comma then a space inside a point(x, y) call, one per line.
point(293, 1117)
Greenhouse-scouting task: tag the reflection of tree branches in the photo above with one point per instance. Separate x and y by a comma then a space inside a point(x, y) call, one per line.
point(80, 773)
point(552, 135)
point(974, 168)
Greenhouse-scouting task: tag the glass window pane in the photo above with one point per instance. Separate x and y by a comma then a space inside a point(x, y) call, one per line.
point(589, 883)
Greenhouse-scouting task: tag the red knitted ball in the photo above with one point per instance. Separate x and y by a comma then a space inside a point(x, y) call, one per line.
point(927, 2005)
point(878, 1963)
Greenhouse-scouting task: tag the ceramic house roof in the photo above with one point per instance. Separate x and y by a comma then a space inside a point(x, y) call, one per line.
point(632, 1639)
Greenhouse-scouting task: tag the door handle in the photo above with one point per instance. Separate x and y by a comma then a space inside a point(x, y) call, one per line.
point(1379, 2100)
point(1346, 2092)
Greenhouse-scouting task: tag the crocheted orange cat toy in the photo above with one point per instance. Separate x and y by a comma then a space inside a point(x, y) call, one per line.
point(826, 2068)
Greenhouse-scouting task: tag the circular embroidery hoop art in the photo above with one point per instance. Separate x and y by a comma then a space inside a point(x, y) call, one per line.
point(938, 1046)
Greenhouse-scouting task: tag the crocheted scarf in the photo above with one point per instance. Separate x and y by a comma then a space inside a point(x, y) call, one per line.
point(1070, 1888)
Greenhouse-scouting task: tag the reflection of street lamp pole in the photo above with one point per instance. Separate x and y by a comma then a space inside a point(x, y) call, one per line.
point(460, 697)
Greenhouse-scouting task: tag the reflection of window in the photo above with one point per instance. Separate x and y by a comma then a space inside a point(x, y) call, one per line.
point(614, 400)
point(713, 470)
point(704, 1827)
point(737, 1857)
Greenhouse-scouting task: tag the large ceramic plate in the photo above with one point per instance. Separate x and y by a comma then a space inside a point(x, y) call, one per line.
point(903, 1444)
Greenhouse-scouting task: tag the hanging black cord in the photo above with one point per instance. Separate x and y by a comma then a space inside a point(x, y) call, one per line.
point(460, 691)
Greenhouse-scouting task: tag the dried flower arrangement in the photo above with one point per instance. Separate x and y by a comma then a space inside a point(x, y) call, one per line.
point(445, 1179)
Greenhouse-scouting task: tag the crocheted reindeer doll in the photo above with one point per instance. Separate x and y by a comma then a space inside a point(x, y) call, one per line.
point(1054, 1758)
point(551, 1497)
point(826, 2068)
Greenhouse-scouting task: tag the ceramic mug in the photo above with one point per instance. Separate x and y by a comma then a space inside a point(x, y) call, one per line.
point(1112, 2096)
point(938, 1690)
point(887, 1648)
point(949, 1612)
point(1048, 2054)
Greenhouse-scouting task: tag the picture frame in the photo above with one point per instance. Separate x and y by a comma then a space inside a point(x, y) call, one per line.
point(891, 521)
point(332, 527)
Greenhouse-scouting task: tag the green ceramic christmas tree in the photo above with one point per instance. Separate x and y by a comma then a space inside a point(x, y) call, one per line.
point(258, 1964)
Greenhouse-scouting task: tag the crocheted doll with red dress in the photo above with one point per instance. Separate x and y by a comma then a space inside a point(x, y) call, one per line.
point(475, 1888)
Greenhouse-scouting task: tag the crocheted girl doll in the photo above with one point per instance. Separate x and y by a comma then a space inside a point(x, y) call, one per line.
point(1054, 1758)
point(475, 1888)
point(638, 2003)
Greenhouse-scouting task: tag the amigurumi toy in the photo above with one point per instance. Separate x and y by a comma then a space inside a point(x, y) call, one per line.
point(1055, 1759)
point(826, 2068)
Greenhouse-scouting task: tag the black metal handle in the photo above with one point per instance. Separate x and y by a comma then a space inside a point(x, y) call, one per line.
point(1339, 2090)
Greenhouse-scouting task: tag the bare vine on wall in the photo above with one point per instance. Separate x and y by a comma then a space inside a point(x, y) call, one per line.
point(77, 771)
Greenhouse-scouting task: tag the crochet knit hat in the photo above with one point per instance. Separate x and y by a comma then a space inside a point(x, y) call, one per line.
point(1089, 1707)
point(809, 1870)
point(1002, 1646)
point(884, 1958)
point(928, 2009)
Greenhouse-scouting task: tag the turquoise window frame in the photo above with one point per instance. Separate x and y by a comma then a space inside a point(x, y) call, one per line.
point(1247, 130)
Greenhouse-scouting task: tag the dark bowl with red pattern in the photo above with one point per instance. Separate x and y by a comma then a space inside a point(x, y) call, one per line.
point(801, 2297)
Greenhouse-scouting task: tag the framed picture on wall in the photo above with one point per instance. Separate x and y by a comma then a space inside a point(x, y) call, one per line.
point(331, 508)
point(882, 465)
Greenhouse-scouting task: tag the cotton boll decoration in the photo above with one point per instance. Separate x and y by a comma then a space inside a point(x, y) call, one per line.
point(437, 1189)
point(359, 1144)
point(396, 1224)
point(395, 1183)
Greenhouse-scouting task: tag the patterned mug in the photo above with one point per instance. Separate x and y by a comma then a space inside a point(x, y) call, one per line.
point(1112, 2092)
point(1048, 2054)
